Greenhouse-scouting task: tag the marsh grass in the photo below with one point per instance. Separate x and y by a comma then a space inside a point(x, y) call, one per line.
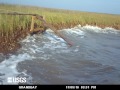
point(13, 27)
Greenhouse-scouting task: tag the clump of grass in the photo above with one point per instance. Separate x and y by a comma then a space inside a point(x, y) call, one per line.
point(14, 27)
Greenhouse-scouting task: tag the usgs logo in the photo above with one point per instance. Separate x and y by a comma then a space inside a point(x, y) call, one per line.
point(16, 79)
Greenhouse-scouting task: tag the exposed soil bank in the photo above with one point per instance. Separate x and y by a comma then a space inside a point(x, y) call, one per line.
point(11, 44)
point(14, 27)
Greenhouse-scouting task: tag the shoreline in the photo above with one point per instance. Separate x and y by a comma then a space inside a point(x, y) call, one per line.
point(12, 46)
point(15, 28)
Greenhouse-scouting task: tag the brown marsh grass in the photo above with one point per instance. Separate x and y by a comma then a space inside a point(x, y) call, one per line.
point(14, 27)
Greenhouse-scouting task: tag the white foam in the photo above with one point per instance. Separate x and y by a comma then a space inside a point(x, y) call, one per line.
point(49, 30)
point(98, 29)
point(75, 31)
point(8, 66)
point(54, 41)
point(51, 36)
point(93, 28)
point(111, 30)
point(29, 39)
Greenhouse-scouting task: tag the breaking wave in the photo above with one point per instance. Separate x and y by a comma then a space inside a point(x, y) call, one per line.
point(95, 53)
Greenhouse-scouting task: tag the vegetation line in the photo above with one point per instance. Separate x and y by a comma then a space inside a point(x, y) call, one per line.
point(13, 28)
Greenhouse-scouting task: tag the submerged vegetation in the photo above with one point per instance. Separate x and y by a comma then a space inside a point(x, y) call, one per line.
point(14, 27)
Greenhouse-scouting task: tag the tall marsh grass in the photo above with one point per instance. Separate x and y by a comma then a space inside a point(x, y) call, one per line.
point(58, 18)
point(14, 26)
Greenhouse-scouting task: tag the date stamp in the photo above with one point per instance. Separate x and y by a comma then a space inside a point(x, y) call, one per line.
point(82, 87)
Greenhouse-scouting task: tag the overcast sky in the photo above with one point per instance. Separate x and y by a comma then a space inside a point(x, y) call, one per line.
point(100, 6)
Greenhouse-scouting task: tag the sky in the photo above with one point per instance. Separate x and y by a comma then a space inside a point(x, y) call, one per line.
point(99, 6)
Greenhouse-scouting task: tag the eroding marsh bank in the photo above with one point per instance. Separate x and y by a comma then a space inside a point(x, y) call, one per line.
point(14, 28)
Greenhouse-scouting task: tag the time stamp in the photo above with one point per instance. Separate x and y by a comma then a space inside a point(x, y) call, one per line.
point(81, 87)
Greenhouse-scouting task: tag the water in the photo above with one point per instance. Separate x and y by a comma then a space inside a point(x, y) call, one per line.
point(94, 58)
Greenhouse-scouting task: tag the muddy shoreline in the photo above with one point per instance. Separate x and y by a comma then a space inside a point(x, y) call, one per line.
point(11, 44)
